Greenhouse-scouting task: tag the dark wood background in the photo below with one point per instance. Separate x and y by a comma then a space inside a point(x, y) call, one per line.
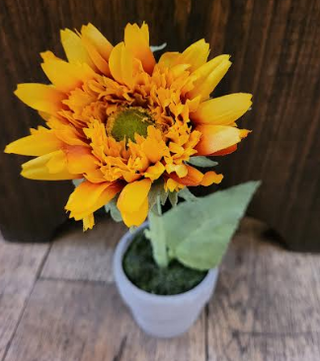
point(275, 47)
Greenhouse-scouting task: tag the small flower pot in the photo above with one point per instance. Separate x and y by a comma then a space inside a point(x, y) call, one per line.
point(161, 316)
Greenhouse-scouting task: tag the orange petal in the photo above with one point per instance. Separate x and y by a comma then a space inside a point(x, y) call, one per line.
point(217, 137)
point(137, 42)
point(224, 110)
point(193, 178)
point(133, 202)
point(226, 151)
point(211, 177)
point(41, 97)
point(88, 197)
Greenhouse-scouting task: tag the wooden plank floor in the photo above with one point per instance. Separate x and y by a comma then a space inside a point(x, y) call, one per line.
point(59, 303)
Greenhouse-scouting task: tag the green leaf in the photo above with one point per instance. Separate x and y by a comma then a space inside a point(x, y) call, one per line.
point(114, 211)
point(173, 198)
point(200, 161)
point(157, 191)
point(187, 195)
point(157, 237)
point(77, 182)
point(198, 233)
point(163, 196)
point(155, 48)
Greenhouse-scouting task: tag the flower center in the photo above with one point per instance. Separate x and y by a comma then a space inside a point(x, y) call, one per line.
point(124, 123)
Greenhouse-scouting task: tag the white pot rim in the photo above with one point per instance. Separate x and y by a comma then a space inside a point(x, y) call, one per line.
point(121, 248)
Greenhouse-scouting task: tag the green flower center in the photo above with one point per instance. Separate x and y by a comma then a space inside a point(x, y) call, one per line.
point(125, 123)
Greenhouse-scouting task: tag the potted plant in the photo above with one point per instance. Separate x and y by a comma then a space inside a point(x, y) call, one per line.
point(132, 133)
point(166, 270)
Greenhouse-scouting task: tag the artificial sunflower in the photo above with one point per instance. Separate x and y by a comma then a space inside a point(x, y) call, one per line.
point(121, 121)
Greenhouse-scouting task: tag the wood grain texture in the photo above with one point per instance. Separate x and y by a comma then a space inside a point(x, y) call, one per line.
point(19, 266)
point(80, 321)
point(84, 256)
point(266, 306)
point(275, 47)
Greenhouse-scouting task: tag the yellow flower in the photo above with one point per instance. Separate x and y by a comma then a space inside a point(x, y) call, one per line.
point(119, 120)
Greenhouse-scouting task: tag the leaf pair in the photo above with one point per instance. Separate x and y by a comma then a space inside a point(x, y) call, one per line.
point(197, 233)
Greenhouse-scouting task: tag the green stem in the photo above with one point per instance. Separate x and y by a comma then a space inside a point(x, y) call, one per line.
point(158, 239)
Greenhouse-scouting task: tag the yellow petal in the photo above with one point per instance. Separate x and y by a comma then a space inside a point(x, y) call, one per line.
point(80, 159)
point(133, 202)
point(138, 217)
point(153, 146)
point(37, 168)
point(95, 176)
point(100, 63)
point(209, 75)
point(88, 197)
point(65, 76)
point(195, 55)
point(88, 222)
point(67, 133)
point(74, 48)
point(155, 171)
point(121, 65)
point(173, 186)
point(91, 34)
point(168, 59)
point(137, 42)
point(217, 137)
point(44, 115)
point(37, 144)
point(181, 170)
point(40, 97)
point(57, 163)
point(223, 110)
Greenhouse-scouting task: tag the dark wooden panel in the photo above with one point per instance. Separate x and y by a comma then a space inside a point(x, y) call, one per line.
point(276, 52)
point(275, 47)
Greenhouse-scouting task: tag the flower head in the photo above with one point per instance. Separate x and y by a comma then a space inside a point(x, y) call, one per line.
point(121, 121)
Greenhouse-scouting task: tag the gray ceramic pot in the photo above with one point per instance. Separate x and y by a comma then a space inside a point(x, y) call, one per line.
point(161, 316)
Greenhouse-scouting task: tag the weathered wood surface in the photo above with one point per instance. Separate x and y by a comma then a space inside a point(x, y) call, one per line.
point(76, 255)
point(19, 267)
point(275, 47)
point(80, 321)
point(266, 305)
point(265, 308)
